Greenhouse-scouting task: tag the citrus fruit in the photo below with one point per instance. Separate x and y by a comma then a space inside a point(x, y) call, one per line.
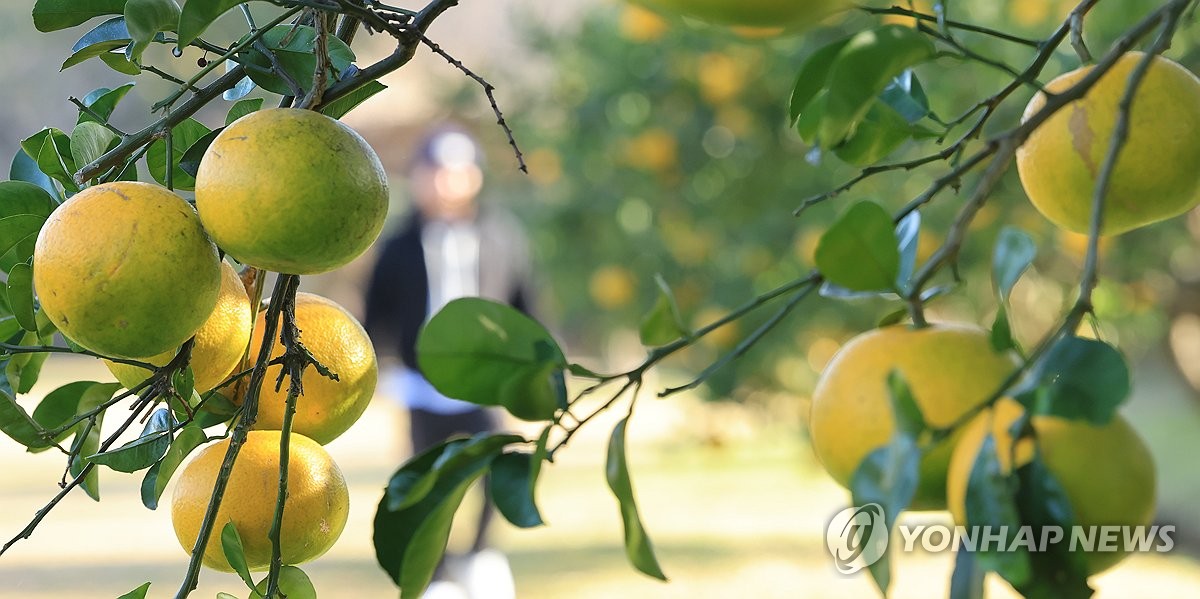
point(328, 407)
point(950, 370)
point(758, 14)
point(1106, 471)
point(291, 191)
point(220, 341)
point(1155, 177)
point(125, 269)
point(316, 510)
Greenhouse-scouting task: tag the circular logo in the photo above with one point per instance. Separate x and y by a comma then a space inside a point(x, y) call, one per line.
point(857, 532)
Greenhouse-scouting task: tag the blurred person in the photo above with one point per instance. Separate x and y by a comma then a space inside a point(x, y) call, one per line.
point(451, 246)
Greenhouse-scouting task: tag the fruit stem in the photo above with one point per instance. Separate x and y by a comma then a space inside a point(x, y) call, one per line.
point(290, 339)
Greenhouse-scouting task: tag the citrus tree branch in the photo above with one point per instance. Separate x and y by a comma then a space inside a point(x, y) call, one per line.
point(928, 18)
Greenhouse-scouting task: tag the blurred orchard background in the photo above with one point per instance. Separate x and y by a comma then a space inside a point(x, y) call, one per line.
point(655, 147)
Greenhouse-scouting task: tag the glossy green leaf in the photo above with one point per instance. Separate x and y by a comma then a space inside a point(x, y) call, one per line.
point(343, 105)
point(18, 425)
point(908, 235)
point(197, 15)
point(1079, 379)
point(662, 324)
point(231, 546)
point(909, 419)
point(417, 476)
point(23, 370)
point(472, 347)
point(19, 288)
point(183, 136)
point(52, 15)
point(293, 584)
point(294, 50)
point(638, 547)
point(105, 37)
point(410, 542)
point(87, 440)
point(90, 140)
point(1042, 502)
point(155, 482)
point(990, 502)
point(119, 63)
point(25, 170)
point(51, 150)
point(1014, 253)
point(879, 132)
point(144, 451)
point(145, 18)
point(1001, 333)
point(184, 382)
point(190, 161)
point(103, 101)
point(138, 593)
point(512, 489)
point(60, 405)
point(812, 77)
point(862, 70)
point(860, 251)
point(242, 108)
point(906, 96)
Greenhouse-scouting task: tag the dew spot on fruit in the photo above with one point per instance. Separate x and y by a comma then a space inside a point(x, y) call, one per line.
point(1082, 137)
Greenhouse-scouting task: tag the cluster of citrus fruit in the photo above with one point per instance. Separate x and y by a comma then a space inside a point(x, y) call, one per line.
point(130, 270)
point(1106, 470)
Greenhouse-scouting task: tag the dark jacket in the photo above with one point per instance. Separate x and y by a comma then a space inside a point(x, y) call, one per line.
point(398, 293)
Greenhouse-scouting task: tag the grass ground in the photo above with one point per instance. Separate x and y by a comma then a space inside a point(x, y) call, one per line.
point(742, 519)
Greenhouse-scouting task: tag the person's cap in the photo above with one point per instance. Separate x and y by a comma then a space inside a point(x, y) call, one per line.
point(449, 148)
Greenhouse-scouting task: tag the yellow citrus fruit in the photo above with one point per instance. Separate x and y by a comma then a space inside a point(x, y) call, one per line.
point(641, 25)
point(1155, 177)
point(125, 269)
point(313, 518)
point(328, 407)
point(950, 370)
point(761, 14)
point(220, 342)
point(1106, 471)
point(612, 287)
point(291, 191)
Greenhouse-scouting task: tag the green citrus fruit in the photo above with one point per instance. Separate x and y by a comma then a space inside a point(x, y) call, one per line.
point(1155, 177)
point(1106, 471)
point(313, 518)
point(220, 341)
point(950, 369)
point(125, 270)
point(291, 191)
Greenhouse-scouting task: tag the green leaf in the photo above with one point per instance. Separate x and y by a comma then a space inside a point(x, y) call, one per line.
point(662, 324)
point(87, 440)
point(533, 392)
point(244, 86)
point(1042, 502)
point(1014, 253)
point(184, 382)
point(119, 63)
point(23, 370)
point(339, 107)
point(23, 209)
point(104, 38)
point(155, 482)
point(19, 288)
point(812, 77)
point(25, 170)
point(409, 542)
point(878, 133)
point(294, 50)
point(1001, 335)
point(138, 593)
point(909, 420)
point(61, 404)
point(512, 486)
point(18, 425)
point(860, 251)
point(967, 580)
point(293, 584)
point(242, 108)
point(908, 234)
point(1079, 379)
point(416, 477)
point(145, 18)
point(90, 140)
point(51, 151)
point(103, 101)
point(472, 347)
point(190, 161)
point(197, 15)
point(142, 452)
point(225, 596)
point(52, 15)
point(231, 545)
point(906, 96)
point(638, 547)
point(183, 136)
point(862, 70)
point(989, 502)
